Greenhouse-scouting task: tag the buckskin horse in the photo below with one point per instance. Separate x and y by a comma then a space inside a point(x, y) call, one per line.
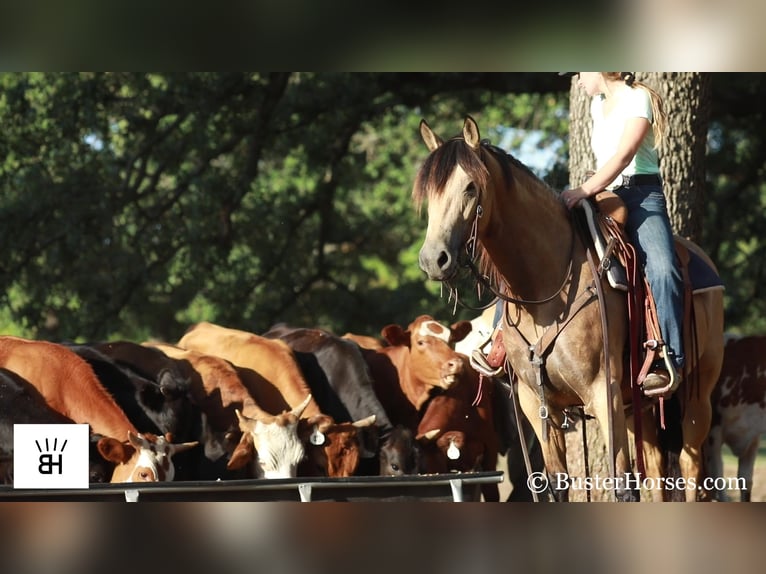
point(485, 205)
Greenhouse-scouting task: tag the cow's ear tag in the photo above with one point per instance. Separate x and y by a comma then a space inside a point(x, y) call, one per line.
point(453, 452)
point(317, 437)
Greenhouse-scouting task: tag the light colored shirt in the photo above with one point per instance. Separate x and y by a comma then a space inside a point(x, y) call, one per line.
point(607, 131)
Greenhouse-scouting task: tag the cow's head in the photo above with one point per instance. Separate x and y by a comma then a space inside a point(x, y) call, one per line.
point(399, 453)
point(143, 457)
point(272, 442)
point(332, 449)
point(432, 360)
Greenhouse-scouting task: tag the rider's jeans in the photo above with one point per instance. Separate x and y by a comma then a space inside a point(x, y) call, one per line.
point(648, 227)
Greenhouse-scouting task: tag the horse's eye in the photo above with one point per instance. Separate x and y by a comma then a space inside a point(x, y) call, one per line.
point(470, 191)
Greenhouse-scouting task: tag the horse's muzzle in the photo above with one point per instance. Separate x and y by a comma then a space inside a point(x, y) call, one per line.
point(437, 263)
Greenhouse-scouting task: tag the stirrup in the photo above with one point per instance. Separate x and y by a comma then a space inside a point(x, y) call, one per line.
point(674, 379)
point(479, 362)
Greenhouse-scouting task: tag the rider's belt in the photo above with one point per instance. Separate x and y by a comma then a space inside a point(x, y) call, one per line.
point(638, 179)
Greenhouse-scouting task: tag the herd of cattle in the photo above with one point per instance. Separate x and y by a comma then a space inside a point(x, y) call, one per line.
point(225, 404)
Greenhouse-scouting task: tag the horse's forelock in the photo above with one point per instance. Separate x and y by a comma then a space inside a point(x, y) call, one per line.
point(437, 168)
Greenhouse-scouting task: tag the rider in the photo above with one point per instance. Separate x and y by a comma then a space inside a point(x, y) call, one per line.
point(628, 127)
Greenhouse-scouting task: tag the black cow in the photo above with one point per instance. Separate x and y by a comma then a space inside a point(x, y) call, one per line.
point(340, 383)
point(152, 392)
point(22, 403)
point(400, 453)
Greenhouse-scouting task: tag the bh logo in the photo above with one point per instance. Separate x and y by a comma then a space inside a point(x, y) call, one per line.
point(50, 456)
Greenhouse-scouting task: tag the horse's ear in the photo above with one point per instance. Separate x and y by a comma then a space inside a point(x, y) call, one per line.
point(429, 137)
point(471, 133)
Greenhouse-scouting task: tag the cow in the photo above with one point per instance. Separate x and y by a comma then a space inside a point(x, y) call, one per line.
point(70, 387)
point(22, 403)
point(268, 444)
point(400, 453)
point(341, 384)
point(277, 384)
point(457, 429)
point(405, 373)
point(415, 362)
point(739, 411)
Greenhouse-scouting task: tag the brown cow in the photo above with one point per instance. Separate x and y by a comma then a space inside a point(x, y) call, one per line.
point(228, 406)
point(739, 412)
point(423, 357)
point(271, 373)
point(457, 429)
point(70, 387)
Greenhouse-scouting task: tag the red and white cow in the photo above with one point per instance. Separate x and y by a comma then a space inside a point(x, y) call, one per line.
point(228, 408)
point(70, 387)
point(423, 357)
point(269, 370)
point(739, 410)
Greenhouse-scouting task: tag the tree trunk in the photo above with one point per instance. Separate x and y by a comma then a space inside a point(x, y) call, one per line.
point(581, 158)
point(688, 98)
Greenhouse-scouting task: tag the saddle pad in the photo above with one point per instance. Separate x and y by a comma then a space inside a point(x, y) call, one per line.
point(702, 276)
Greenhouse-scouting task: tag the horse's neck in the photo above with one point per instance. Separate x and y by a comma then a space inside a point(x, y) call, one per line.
point(529, 239)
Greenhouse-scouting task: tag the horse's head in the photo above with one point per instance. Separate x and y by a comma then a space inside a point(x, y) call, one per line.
point(451, 179)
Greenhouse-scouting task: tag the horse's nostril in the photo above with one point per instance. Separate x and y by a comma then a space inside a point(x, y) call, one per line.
point(443, 260)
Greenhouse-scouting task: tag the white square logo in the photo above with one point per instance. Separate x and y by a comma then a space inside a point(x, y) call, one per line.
point(51, 456)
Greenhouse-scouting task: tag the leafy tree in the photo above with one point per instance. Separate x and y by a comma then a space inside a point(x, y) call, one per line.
point(135, 204)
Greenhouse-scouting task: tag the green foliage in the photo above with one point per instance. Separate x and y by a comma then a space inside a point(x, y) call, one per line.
point(734, 225)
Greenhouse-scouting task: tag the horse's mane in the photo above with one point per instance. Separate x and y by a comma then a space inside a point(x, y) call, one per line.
point(439, 165)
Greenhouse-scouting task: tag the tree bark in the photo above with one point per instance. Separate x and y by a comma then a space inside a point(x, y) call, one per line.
point(688, 100)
